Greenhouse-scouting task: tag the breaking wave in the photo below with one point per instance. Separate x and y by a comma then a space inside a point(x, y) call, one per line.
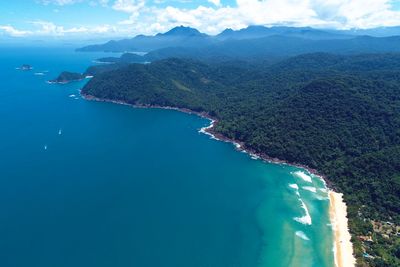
point(302, 235)
point(303, 176)
point(310, 188)
point(306, 219)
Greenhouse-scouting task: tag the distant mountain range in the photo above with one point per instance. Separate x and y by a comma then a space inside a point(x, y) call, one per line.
point(186, 37)
point(178, 36)
point(272, 48)
point(327, 99)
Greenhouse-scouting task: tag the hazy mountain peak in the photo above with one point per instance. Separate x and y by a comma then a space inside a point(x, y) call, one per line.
point(183, 31)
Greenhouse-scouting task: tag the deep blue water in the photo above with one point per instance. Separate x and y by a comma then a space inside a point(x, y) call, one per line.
point(97, 184)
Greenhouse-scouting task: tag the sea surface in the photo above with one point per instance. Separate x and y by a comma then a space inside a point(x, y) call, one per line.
point(91, 184)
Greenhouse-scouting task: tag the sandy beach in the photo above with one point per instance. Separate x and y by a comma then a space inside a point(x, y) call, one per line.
point(343, 248)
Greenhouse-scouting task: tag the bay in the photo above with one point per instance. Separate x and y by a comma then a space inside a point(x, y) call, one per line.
point(98, 184)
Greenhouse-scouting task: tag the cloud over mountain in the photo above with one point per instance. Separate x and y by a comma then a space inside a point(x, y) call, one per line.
point(213, 16)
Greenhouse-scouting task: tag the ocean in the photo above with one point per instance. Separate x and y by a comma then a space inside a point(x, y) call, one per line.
point(86, 183)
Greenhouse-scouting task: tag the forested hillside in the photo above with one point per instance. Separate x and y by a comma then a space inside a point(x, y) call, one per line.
point(269, 49)
point(337, 114)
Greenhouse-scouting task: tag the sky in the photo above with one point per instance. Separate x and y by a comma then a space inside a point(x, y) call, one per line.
point(123, 18)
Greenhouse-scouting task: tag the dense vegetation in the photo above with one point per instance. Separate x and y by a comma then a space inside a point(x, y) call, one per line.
point(66, 77)
point(337, 114)
point(271, 48)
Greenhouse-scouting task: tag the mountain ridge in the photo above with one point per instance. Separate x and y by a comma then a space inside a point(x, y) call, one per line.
point(142, 42)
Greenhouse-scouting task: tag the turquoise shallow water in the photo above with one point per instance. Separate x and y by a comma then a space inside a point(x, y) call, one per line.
point(119, 186)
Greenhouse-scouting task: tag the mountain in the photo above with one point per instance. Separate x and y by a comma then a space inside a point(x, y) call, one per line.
point(339, 114)
point(183, 31)
point(178, 36)
point(189, 37)
point(271, 49)
point(186, 37)
point(253, 32)
point(377, 32)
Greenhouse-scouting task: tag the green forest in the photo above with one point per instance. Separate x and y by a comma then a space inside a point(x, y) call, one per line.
point(338, 114)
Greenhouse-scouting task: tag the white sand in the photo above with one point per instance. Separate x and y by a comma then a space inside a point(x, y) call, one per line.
point(343, 247)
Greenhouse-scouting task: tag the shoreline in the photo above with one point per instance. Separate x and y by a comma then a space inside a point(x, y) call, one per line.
point(209, 130)
point(342, 246)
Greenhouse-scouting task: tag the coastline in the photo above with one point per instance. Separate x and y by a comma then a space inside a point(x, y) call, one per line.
point(69, 81)
point(209, 130)
point(342, 247)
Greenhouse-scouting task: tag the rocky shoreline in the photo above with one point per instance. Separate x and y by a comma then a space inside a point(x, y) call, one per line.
point(241, 146)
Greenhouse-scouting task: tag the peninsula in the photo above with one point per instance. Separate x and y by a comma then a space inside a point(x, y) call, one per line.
point(66, 77)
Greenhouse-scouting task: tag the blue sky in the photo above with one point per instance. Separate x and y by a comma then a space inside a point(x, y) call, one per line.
point(108, 18)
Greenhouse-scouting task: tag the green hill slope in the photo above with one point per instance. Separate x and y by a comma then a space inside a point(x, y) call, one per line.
point(337, 114)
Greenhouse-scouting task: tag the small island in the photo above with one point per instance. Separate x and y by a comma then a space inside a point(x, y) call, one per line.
point(66, 77)
point(26, 67)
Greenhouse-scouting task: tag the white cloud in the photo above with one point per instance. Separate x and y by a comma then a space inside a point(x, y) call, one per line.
point(10, 30)
point(146, 17)
point(103, 3)
point(215, 19)
point(59, 2)
point(46, 28)
point(129, 6)
point(70, 2)
point(318, 13)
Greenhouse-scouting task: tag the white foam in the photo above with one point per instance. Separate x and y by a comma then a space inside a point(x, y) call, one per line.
point(302, 235)
point(72, 96)
point(310, 188)
point(204, 130)
point(294, 186)
point(303, 176)
point(306, 219)
point(255, 157)
point(318, 197)
point(323, 190)
point(39, 73)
